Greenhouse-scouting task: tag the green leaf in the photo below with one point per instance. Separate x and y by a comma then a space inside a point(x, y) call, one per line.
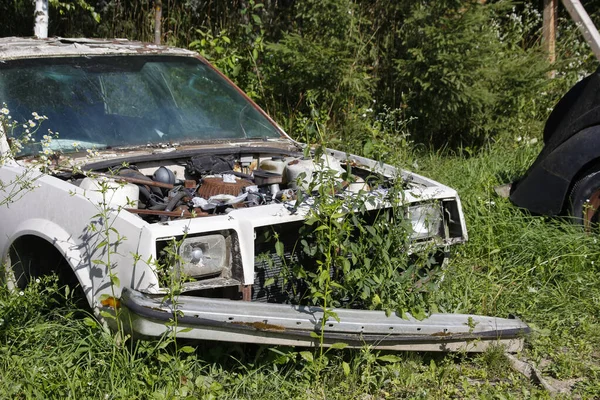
point(346, 368)
point(321, 228)
point(106, 314)
point(256, 19)
point(279, 248)
point(307, 355)
point(389, 358)
point(376, 299)
point(339, 345)
point(269, 281)
point(90, 322)
point(187, 349)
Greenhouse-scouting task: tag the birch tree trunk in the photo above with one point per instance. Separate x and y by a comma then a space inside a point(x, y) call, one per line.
point(157, 20)
point(41, 19)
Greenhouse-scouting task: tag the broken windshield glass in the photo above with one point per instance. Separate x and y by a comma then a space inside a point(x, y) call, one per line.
point(130, 100)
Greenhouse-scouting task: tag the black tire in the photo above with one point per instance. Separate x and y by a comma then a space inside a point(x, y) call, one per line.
point(584, 201)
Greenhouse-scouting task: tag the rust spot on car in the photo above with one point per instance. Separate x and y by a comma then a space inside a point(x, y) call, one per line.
point(261, 326)
point(442, 334)
point(111, 302)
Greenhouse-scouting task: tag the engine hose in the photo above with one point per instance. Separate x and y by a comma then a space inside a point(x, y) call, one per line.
point(147, 196)
point(158, 207)
point(173, 203)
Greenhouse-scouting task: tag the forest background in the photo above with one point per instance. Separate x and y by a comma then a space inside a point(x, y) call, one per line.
point(378, 73)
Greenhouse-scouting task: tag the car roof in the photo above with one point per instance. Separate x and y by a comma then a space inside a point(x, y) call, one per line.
point(19, 48)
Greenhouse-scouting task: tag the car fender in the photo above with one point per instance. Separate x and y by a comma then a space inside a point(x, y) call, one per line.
point(544, 188)
point(61, 240)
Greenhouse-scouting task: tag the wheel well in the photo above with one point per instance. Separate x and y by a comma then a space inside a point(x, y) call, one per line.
point(32, 257)
point(588, 168)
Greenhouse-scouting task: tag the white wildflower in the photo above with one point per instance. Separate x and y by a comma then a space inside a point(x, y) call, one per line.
point(21, 293)
point(4, 110)
point(31, 123)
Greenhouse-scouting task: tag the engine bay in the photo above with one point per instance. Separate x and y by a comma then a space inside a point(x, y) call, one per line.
point(215, 184)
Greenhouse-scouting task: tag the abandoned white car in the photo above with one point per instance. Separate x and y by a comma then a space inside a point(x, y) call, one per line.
point(158, 169)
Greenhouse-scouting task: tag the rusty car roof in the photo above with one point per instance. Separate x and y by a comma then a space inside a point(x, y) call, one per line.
point(19, 48)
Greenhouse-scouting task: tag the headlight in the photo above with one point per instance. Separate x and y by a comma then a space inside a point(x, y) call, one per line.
point(205, 255)
point(426, 220)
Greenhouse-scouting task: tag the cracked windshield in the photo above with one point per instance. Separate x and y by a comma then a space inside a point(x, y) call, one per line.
point(104, 102)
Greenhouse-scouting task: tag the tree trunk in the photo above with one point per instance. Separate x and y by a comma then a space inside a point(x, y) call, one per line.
point(41, 19)
point(549, 29)
point(157, 20)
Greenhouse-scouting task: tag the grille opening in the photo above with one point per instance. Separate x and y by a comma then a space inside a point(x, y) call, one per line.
point(226, 292)
point(274, 277)
point(276, 281)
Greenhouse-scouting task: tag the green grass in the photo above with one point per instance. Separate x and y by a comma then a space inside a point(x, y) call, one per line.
point(543, 270)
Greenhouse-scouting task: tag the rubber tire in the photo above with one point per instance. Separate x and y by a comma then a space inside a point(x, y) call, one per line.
point(585, 189)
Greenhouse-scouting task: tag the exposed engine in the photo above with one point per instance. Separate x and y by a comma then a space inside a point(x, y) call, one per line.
point(213, 184)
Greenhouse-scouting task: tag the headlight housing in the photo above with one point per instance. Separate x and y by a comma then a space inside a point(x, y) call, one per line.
point(201, 256)
point(426, 220)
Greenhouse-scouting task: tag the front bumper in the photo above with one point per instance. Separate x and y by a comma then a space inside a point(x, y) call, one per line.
point(280, 324)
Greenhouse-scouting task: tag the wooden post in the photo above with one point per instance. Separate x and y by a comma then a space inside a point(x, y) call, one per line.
point(157, 20)
point(585, 24)
point(549, 29)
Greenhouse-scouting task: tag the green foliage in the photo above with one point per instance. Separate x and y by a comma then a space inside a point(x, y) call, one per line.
point(326, 54)
point(238, 60)
point(360, 257)
point(64, 7)
point(460, 71)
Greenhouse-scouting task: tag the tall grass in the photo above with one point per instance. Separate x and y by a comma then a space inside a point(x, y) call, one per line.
point(543, 270)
